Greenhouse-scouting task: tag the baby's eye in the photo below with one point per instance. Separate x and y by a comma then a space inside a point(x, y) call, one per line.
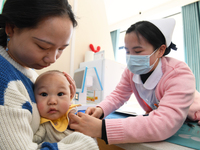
point(43, 94)
point(60, 94)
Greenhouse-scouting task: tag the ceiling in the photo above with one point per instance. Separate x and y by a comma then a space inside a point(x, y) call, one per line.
point(118, 10)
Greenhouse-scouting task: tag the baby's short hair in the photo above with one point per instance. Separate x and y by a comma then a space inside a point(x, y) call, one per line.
point(45, 73)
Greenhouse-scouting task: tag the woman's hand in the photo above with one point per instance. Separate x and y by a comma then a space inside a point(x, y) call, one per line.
point(86, 124)
point(94, 111)
point(72, 85)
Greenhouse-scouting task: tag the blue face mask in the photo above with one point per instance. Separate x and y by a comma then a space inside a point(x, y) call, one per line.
point(139, 64)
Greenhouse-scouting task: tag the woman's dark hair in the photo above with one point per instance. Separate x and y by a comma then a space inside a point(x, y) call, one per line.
point(28, 13)
point(151, 33)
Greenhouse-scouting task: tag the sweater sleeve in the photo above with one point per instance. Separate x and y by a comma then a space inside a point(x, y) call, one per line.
point(72, 141)
point(78, 141)
point(16, 117)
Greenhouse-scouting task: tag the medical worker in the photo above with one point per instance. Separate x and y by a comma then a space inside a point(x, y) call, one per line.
point(163, 86)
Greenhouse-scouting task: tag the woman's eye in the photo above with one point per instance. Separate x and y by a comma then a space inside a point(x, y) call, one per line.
point(44, 94)
point(61, 49)
point(60, 94)
point(137, 52)
point(42, 47)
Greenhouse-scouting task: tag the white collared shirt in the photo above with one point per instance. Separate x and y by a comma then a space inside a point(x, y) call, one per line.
point(147, 90)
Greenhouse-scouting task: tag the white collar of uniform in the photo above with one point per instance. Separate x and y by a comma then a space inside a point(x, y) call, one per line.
point(153, 79)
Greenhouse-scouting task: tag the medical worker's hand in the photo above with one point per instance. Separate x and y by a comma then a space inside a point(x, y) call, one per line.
point(94, 111)
point(86, 124)
point(72, 85)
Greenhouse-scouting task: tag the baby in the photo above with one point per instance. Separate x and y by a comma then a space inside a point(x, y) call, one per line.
point(52, 94)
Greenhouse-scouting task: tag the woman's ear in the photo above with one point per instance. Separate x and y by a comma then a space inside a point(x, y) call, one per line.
point(9, 29)
point(161, 50)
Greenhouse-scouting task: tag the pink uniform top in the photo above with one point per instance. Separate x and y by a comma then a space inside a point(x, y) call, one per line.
point(175, 91)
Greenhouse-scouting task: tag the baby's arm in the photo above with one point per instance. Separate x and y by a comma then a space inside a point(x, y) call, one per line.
point(39, 135)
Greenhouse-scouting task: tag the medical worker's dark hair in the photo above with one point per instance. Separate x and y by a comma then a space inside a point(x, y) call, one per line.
point(28, 14)
point(151, 33)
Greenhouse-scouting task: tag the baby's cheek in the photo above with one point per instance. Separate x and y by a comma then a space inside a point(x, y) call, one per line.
point(40, 107)
point(65, 107)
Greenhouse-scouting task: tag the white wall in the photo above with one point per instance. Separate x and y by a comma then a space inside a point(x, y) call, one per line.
point(154, 13)
point(93, 29)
